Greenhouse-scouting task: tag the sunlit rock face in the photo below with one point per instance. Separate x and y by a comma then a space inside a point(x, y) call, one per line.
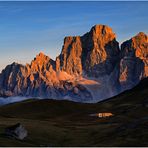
point(100, 51)
point(40, 79)
point(31, 79)
point(134, 60)
point(70, 57)
point(95, 53)
point(90, 68)
point(10, 77)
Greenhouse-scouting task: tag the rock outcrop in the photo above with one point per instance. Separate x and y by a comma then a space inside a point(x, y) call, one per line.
point(94, 54)
point(90, 68)
point(70, 57)
point(29, 80)
point(16, 131)
point(134, 60)
point(100, 51)
point(40, 79)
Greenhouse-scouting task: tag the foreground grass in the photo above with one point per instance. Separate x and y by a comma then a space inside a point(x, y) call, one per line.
point(65, 123)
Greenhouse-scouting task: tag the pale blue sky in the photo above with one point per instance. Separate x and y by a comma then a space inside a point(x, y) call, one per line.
point(26, 28)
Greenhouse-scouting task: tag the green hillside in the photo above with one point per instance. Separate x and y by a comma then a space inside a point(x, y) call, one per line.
point(65, 123)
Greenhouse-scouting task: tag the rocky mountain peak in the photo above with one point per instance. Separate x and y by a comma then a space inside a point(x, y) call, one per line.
point(69, 39)
point(83, 54)
point(70, 58)
point(141, 35)
point(134, 62)
point(41, 62)
point(100, 48)
point(14, 64)
point(102, 30)
point(139, 40)
point(41, 57)
point(137, 46)
point(88, 66)
point(140, 45)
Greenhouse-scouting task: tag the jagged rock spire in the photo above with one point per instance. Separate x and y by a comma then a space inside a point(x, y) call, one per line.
point(95, 55)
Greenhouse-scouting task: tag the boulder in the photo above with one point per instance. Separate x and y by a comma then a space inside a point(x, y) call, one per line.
point(16, 131)
point(76, 90)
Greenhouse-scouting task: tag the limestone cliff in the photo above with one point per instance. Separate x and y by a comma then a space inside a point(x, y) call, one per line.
point(40, 79)
point(90, 68)
point(95, 53)
point(134, 60)
point(70, 57)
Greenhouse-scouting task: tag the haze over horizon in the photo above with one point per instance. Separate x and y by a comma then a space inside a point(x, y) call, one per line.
point(30, 27)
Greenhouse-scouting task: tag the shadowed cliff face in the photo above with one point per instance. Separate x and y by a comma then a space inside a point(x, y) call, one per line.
point(100, 51)
point(90, 53)
point(70, 57)
point(32, 79)
point(90, 68)
point(134, 60)
point(40, 79)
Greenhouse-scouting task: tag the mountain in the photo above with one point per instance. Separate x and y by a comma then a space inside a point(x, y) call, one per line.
point(87, 67)
point(67, 123)
point(95, 53)
point(134, 61)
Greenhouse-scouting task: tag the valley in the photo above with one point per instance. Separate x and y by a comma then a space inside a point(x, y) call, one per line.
point(66, 123)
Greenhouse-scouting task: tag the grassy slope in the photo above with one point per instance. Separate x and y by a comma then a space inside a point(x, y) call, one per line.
point(64, 123)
